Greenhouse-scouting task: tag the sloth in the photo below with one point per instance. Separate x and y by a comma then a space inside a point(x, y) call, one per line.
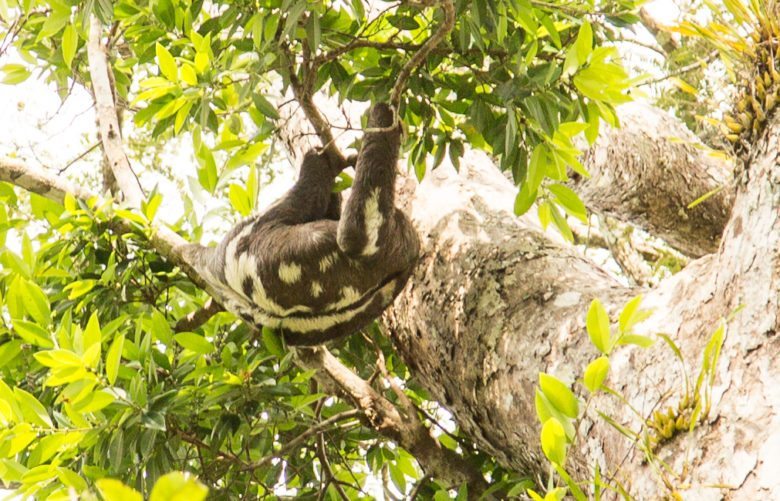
point(308, 268)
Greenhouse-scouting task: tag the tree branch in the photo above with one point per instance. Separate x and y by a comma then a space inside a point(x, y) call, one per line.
point(198, 317)
point(384, 417)
point(292, 444)
point(444, 29)
point(108, 123)
point(649, 171)
point(39, 181)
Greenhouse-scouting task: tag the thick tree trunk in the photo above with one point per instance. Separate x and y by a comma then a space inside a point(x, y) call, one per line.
point(494, 302)
point(650, 170)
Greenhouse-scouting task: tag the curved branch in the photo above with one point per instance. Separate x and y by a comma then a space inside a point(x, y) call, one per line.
point(384, 417)
point(108, 123)
point(446, 27)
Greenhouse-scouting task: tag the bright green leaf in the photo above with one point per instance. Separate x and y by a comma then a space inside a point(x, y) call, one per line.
point(113, 358)
point(14, 74)
point(33, 334)
point(559, 395)
point(36, 302)
point(70, 40)
point(273, 342)
point(596, 373)
point(34, 412)
point(194, 342)
point(114, 490)
point(265, 107)
point(628, 315)
point(178, 486)
point(167, 63)
point(553, 440)
point(584, 42)
point(79, 288)
point(189, 75)
point(597, 323)
point(240, 200)
point(92, 333)
point(570, 201)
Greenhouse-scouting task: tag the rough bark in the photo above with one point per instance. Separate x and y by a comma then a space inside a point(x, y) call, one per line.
point(649, 171)
point(494, 302)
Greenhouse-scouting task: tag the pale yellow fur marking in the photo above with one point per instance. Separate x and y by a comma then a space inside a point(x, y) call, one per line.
point(373, 222)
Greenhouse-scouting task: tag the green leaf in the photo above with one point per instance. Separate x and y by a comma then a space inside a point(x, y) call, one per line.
point(35, 302)
point(92, 334)
point(58, 358)
point(293, 14)
point(34, 412)
point(544, 212)
point(194, 342)
point(524, 200)
point(553, 440)
point(178, 486)
point(597, 324)
point(570, 201)
point(551, 30)
point(584, 42)
point(9, 351)
point(167, 63)
point(201, 61)
point(273, 342)
point(17, 440)
point(113, 357)
point(571, 484)
point(559, 395)
point(181, 116)
point(79, 288)
point(189, 75)
point(94, 402)
point(55, 21)
point(265, 107)
point(114, 490)
point(592, 132)
point(50, 445)
point(596, 373)
point(314, 32)
point(240, 200)
point(71, 479)
point(170, 108)
point(14, 74)
point(534, 495)
point(33, 334)
point(12, 471)
point(636, 339)
point(561, 223)
point(161, 328)
point(207, 174)
point(70, 40)
point(150, 206)
point(628, 316)
point(403, 22)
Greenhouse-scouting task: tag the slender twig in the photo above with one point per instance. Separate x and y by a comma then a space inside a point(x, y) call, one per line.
point(85, 153)
point(292, 444)
point(685, 69)
point(198, 317)
point(322, 453)
point(444, 29)
point(385, 418)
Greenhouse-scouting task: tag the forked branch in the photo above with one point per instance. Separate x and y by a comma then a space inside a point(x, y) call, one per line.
point(448, 23)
